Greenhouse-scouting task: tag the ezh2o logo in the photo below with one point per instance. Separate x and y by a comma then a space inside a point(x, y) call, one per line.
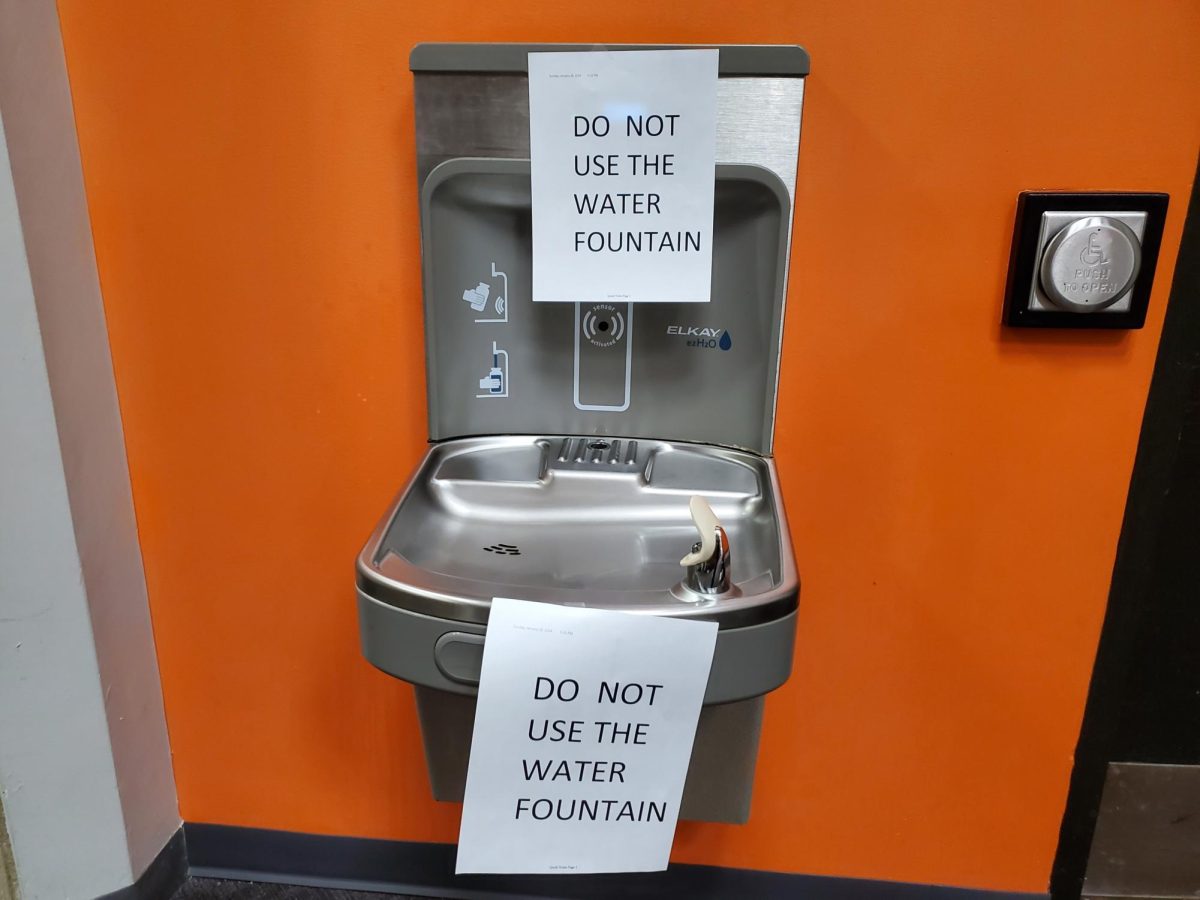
point(701, 337)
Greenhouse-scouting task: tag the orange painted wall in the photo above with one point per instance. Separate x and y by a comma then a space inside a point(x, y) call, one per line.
point(955, 490)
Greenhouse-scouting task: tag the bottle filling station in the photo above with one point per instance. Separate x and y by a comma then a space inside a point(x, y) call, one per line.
point(602, 455)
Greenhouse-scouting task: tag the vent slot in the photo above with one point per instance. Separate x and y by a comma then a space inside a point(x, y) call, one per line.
point(504, 549)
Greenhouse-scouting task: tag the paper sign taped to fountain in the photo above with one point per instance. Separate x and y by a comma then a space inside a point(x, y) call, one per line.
point(583, 733)
point(622, 152)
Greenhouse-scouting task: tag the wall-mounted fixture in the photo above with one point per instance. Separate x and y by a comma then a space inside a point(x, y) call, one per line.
point(577, 450)
point(1083, 260)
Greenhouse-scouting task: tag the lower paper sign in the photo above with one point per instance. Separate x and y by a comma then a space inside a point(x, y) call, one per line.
point(583, 733)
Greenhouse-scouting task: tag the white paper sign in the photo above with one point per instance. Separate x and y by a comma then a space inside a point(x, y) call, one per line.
point(583, 733)
point(623, 157)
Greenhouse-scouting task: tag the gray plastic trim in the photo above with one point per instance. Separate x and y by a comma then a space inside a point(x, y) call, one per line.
point(736, 60)
point(747, 662)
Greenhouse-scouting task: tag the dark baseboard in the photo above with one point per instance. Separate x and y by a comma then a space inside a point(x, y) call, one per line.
point(162, 878)
point(426, 870)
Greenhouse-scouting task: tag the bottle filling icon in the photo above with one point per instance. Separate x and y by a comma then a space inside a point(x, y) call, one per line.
point(495, 382)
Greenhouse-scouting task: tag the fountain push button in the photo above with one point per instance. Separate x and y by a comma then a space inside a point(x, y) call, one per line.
point(1090, 264)
point(459, 656)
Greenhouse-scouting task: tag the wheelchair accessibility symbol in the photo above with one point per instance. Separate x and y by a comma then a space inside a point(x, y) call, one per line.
point(1093, 254)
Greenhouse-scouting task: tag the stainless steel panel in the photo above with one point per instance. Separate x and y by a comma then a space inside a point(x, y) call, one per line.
point(487, 115)
point(678, 371)
point(1147, 840)
point(758, 123)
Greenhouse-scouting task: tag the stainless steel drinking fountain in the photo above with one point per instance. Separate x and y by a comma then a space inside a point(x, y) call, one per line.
point(612, 456)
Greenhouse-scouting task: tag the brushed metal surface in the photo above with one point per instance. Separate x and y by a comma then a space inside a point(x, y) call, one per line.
point(1090, 264)
point(1054, 223)
point(1147, 840)
point(758, 123)
point(701, 373)
point(501, 516)
point(487, 115)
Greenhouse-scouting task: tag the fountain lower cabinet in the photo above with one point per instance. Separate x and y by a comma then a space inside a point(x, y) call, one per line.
point(720, 776)
point(577, 448)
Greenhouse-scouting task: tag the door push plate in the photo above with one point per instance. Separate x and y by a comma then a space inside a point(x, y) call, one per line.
point(1083, 260)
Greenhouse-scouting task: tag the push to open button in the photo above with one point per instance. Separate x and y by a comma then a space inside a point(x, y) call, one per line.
point(1090, 264)
point(1083, 259)
point(459, 656)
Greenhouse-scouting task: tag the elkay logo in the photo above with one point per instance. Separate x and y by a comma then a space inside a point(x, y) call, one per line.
point(705, 338)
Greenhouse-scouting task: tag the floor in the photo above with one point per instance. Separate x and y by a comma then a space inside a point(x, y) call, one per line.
point(210, 889)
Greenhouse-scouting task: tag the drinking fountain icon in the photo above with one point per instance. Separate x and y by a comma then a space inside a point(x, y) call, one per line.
point(478, 296)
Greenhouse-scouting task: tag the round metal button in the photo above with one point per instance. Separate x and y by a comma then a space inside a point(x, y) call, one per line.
point(1090, 264)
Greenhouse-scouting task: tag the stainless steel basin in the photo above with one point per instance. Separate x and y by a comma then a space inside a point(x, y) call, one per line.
point(582, 522)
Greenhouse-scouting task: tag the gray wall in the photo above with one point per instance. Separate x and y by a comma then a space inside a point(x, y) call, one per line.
point(85, 768)
point(56, 769)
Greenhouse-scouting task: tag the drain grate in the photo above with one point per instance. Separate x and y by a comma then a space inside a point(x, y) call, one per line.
point(504, 549)
point(574, 452)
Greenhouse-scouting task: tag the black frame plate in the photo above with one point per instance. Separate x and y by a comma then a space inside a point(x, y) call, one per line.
point(1023, 263)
